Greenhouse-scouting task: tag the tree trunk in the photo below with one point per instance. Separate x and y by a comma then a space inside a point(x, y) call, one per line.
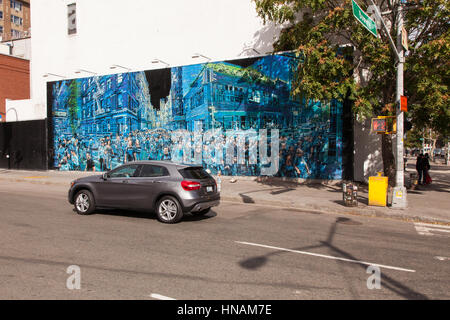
point(433, 145)
point(447, 156)
point(388, 158)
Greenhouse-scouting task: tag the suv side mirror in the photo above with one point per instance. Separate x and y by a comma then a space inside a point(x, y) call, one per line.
point(105, 176)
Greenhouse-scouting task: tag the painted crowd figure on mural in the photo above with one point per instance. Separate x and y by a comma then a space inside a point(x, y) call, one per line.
point(297, 158)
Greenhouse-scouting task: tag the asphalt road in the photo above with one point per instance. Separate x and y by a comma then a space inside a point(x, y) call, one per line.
point(238, 251)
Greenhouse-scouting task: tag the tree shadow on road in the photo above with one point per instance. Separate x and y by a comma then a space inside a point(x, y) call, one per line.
point(391, 284)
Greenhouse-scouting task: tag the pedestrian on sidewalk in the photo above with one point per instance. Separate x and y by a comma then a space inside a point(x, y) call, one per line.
point(419, 168)
point(426, 168)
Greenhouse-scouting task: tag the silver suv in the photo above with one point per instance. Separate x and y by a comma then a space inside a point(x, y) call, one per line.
point(170, 189)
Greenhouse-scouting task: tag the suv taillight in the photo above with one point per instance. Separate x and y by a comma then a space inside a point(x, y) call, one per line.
point(190, 185)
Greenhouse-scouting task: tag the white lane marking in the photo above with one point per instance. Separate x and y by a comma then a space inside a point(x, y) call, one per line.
point(160, 297)
point(426, 228)
point(424, 231)
point(326, 257)
point(442, 258)
point(431, 225)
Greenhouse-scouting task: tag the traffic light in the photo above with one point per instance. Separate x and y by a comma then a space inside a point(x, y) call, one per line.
point(384, 125)
point(379, 125)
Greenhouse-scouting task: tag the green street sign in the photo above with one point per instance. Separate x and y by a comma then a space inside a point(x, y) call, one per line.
point(364, 19)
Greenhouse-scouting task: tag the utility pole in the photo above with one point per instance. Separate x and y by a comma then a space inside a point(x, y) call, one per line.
point(399, 200)
point(423, 141)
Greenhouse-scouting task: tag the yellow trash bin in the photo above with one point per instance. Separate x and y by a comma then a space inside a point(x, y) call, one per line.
point(378, 187)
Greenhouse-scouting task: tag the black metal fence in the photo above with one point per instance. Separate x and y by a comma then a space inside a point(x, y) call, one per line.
point(23, 145)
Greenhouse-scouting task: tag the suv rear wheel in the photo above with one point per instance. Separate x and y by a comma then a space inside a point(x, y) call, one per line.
point(168, 210)
point(84, 202)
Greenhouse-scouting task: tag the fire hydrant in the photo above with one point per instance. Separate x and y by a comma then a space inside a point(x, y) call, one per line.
point(350, 194)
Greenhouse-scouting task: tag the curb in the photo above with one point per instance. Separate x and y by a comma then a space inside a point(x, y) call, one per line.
point(356, 211)
point(369, 212)
point(34, 181)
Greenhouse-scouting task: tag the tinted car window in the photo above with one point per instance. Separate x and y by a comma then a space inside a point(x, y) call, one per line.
point(194, 173)
point(124, 172)
point(153, 171)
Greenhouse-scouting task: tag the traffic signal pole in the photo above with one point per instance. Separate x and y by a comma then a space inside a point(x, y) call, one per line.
point(399, 193)
point(399, 200)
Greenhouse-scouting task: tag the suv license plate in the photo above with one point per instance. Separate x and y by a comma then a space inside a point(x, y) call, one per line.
point(209, 189)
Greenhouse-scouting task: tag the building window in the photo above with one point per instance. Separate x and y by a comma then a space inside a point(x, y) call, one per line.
point(1, 14)
point(15, 33)
point(1, 29)
point(16, 20)
point(71, 19)
point(16, 5)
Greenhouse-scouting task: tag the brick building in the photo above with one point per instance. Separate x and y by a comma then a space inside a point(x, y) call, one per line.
point(14, 19)
point(14, 80)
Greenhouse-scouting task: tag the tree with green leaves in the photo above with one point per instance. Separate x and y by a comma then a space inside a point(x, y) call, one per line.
point(318, 30)
point(72, 104)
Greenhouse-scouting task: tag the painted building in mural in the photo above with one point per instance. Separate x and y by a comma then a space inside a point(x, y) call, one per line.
point(214, 114)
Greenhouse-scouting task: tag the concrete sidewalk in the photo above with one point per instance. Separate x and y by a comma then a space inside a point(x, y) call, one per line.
point(426, 204)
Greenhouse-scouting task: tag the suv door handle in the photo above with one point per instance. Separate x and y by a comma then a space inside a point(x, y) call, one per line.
point(124, 181)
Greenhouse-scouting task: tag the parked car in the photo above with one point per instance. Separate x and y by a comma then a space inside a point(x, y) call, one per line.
point(170, 189)
point(439, 153)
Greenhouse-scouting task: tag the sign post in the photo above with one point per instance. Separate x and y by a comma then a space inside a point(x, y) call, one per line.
point(399, 200)
point(404, 39)
point(399, 192)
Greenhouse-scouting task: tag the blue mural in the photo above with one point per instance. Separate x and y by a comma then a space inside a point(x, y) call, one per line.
point(215, 114)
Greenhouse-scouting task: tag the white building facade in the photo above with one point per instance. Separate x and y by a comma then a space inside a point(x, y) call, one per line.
point(132, 34)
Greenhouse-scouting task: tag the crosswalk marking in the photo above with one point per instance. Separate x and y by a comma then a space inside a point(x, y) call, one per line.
point(427, 229)
point(442, 258)
point(160, 297)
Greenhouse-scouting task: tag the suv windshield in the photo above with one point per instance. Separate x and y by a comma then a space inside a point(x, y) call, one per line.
point(194, 173)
